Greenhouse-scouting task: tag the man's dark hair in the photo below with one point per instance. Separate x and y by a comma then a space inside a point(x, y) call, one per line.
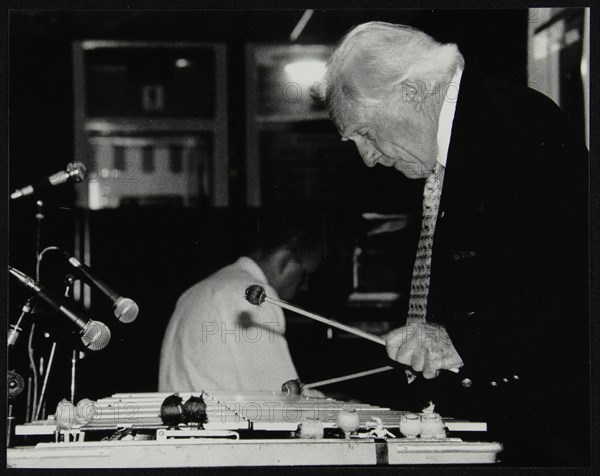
point(305, 242)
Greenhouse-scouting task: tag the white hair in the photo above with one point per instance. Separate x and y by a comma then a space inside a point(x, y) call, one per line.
point(376, 58)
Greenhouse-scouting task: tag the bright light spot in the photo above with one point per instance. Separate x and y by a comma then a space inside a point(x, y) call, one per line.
point(572, 36)
point(183, 63)
point(305, 72)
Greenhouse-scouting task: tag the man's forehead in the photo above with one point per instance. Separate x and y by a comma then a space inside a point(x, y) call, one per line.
point(344, 113)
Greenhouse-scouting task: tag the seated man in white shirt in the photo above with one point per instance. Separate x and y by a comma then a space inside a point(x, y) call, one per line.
point(217, 340)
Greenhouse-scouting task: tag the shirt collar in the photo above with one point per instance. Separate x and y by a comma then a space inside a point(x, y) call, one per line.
point(447, 117)
point(253, 268)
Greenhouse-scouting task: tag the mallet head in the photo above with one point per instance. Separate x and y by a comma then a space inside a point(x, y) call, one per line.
point(255, 294)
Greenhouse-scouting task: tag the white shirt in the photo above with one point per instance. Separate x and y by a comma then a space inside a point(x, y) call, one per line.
point(447, 117)
point(217, 340)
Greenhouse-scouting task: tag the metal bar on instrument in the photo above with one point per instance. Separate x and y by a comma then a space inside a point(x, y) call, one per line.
point(348, 377)
point(325, 320)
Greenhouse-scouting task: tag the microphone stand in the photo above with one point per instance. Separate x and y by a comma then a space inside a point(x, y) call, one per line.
point(15, 386)
point(14, 380)
point(11, 341)
point(36, 406)
point(39, 216)
point(9, 425)
point(69, 280)
point(32, 395)
point(46, 377)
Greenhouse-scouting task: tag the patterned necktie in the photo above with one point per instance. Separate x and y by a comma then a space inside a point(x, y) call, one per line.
point(419, 290)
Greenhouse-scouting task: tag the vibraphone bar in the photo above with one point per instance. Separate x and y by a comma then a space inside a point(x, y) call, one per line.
point(252, 429)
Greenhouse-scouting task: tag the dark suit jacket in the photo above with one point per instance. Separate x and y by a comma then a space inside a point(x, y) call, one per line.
point(510, 267)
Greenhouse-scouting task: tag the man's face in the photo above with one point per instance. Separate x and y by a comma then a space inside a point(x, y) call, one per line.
point(294, 278)
point(397, 133)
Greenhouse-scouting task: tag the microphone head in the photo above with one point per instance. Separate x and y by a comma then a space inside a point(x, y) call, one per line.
point(76, 171)
point(126, 309)
point(95, 335)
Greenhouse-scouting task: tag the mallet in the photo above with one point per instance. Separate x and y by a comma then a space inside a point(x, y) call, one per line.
point(348, 377)
point(256, 295)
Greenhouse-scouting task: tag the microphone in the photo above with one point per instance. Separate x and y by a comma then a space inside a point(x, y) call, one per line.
point(94, 335)
point(125, 309)
point(75, 173)
point(14, 385)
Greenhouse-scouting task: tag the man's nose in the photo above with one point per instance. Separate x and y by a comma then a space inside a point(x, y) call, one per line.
point(367, 155)
point(369, 161)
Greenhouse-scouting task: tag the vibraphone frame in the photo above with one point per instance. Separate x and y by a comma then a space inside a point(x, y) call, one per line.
point(229, 414)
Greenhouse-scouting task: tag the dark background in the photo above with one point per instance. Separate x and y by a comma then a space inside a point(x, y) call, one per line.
point(153, 254)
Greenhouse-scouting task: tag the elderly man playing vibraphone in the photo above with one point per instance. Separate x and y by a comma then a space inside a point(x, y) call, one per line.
point(499, 286)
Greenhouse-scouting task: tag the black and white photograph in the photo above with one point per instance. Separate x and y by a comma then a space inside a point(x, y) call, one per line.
point(281, 237)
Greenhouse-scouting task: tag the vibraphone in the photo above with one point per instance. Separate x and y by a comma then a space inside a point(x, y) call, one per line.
point(259, 429)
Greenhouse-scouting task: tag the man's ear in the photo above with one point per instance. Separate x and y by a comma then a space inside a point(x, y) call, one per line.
point(409, 91)
point(283, 258)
